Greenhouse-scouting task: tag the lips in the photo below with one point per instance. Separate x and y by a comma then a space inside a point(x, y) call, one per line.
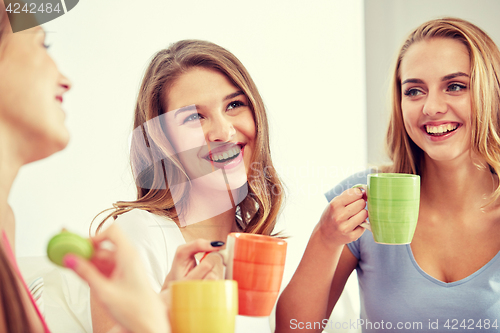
point(434, 129)
point(59, 98)
point(224, 154)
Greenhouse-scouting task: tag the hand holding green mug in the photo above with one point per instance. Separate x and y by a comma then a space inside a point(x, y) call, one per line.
point(393, 205)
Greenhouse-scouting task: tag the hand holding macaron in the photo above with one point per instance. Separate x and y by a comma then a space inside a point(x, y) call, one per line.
point(112, 268)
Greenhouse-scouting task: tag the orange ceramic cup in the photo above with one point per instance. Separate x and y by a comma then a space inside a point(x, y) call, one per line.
point(257, 263)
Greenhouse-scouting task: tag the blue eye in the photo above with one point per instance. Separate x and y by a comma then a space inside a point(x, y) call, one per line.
point(192, 117)
point(412, 92)
point(455, 87)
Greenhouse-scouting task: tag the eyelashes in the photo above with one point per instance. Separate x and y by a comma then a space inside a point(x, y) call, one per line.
point(192, 117)
point(453, 87)
point(456, 87)
point(235, 104)
point(411, 92)
point(231, 106)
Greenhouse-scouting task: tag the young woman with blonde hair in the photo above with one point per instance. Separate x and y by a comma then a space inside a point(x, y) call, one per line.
point(200, 157)
point(444, 127)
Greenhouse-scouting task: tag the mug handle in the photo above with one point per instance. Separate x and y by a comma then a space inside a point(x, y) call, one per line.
point(365, 225)
point(223, 254)
point(227, 259)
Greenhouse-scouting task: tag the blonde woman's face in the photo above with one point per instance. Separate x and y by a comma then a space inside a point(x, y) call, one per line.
point(211, 127)
point(436, 100)
point(31, 90)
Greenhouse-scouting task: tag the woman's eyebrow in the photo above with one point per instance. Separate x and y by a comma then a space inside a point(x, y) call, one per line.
point(185, 109)
point(195, 107)
point(233, 95)
point(454, 75)
point(445, 78)
point(412, 81)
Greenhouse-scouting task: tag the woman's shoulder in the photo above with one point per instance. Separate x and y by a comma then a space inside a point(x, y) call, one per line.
point(140, 223)
point(155, 238)
point(141, 216)
point(357, 178)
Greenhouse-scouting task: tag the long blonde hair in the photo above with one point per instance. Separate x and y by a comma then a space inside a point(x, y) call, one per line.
point(484, 56)
point(258, 211)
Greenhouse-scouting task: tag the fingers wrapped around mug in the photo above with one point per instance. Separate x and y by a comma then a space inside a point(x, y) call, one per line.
point(342, 217)
point(185, 266)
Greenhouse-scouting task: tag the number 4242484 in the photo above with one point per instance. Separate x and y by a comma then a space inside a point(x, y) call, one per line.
point(470, 324)
point(32, 8)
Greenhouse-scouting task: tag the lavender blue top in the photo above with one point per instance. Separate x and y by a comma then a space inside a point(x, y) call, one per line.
point(398, 296)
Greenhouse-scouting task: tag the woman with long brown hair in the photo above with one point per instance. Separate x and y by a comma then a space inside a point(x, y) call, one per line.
point(32, 128)
point(445, 127)
point(200, 157)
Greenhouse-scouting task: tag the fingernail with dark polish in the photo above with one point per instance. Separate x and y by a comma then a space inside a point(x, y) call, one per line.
point(217, 243)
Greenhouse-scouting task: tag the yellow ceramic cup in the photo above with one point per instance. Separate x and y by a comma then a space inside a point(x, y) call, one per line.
point(200, 306)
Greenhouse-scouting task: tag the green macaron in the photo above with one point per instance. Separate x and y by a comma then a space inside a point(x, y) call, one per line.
point(67, 242)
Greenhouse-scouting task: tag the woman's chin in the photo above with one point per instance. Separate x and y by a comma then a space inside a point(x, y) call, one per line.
point(236, 183)
point(222, 186)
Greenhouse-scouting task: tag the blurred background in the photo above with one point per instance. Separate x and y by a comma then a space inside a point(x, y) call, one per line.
point(322, 68)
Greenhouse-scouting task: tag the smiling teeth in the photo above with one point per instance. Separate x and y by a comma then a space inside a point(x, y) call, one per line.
point(225, 155)
point(440, 129)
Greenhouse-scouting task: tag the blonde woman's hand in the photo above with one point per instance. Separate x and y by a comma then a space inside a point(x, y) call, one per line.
point(341, 219)
point(117, 277)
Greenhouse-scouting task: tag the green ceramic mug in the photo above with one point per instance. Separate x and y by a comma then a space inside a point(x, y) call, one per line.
point(393, 204)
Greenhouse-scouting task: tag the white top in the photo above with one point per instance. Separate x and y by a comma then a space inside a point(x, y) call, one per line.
point(156, 239)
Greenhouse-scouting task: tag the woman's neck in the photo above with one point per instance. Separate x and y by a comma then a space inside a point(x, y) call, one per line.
point(457, 185)
point(210, 214)
point(10, 163)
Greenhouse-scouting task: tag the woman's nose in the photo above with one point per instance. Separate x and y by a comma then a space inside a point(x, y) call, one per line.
point(64, 83)
point(221, 129)
point(434, 104)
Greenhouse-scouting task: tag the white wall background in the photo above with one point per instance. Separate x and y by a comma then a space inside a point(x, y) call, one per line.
point(387, 24)
point(307, 58)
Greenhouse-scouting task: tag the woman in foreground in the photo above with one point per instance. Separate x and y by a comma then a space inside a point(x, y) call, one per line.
point(444, 127)
point(32, 128)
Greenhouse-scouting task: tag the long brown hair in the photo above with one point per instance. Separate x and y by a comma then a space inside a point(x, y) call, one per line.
point(484, 56)
point(13, 313)
point(15, 318)
point(258, 211)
